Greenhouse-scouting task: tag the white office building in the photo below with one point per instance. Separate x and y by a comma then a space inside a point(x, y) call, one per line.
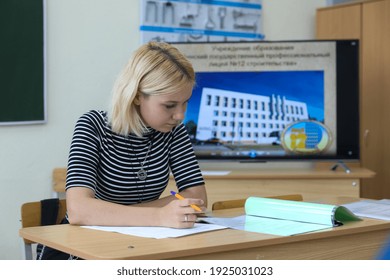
point(245, 118)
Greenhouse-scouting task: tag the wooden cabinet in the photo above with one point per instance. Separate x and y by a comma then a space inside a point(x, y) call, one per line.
point(345, 22)
point(236, 181)
point(315, 183)
point(368, 21)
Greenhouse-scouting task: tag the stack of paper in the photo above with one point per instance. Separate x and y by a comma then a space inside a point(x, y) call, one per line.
point(376, 209)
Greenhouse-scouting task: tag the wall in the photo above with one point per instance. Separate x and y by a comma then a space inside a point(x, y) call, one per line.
point(88, 42)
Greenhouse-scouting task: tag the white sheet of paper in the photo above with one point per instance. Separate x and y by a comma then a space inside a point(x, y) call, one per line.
point(376, 209)
point(267, 225)
point(215, 173)
point(159, 232)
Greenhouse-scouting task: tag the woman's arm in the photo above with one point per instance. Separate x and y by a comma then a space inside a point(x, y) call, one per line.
point(84, 209)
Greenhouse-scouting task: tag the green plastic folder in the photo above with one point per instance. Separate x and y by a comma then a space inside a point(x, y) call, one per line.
point(298, 211)
point(285, 217)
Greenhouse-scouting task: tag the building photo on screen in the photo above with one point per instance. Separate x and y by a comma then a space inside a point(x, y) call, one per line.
point(274, 100)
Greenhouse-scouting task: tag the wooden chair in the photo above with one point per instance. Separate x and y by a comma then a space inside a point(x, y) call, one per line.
point(31, 217)
point(237, 203)
point(59, 180)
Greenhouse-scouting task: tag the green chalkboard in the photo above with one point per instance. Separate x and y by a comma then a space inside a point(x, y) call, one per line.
point(22, 67)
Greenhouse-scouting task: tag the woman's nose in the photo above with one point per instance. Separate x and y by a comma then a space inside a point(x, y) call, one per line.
point(179, 115)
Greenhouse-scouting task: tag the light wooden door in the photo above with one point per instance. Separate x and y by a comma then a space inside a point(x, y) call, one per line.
point(375, 97)
point(369, 22)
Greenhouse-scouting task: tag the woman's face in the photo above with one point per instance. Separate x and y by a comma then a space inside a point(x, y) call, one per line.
point(164, 112)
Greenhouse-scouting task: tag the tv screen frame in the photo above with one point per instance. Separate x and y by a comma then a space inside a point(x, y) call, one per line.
point(321, 77)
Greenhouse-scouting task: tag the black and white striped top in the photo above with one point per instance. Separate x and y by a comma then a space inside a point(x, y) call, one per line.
point(107, 162)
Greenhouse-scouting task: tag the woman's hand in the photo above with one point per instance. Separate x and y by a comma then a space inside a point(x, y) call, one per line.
point(179, 213)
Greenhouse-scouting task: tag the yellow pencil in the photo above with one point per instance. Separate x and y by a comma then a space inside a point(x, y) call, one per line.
point(181, 197)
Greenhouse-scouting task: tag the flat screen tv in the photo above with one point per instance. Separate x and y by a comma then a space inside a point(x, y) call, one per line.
point(284, 100)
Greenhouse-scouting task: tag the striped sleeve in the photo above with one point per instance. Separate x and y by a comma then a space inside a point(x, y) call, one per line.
point(83, 156)
point(183, 162)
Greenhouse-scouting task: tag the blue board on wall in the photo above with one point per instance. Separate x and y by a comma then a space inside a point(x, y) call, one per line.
point(22, 67)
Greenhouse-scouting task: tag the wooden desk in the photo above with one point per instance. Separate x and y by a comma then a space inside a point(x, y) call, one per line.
point(356, 240)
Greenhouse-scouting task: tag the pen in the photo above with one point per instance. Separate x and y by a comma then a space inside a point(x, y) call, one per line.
point(181, 197)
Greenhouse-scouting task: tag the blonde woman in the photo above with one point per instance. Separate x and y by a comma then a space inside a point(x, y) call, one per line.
point(120, 161)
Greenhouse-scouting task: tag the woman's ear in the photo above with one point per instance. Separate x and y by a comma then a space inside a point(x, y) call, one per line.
point(136, 100)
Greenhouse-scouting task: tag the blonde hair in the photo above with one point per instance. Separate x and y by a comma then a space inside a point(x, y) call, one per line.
point(156, 68)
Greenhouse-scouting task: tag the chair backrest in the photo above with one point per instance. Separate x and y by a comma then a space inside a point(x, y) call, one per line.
point(59, 179)
point(237, 203)
point(31, 214)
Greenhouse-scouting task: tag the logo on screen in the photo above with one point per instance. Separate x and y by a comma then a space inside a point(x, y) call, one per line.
point(306, 137)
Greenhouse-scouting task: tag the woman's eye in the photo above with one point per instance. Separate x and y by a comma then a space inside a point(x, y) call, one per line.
point(170, 106)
